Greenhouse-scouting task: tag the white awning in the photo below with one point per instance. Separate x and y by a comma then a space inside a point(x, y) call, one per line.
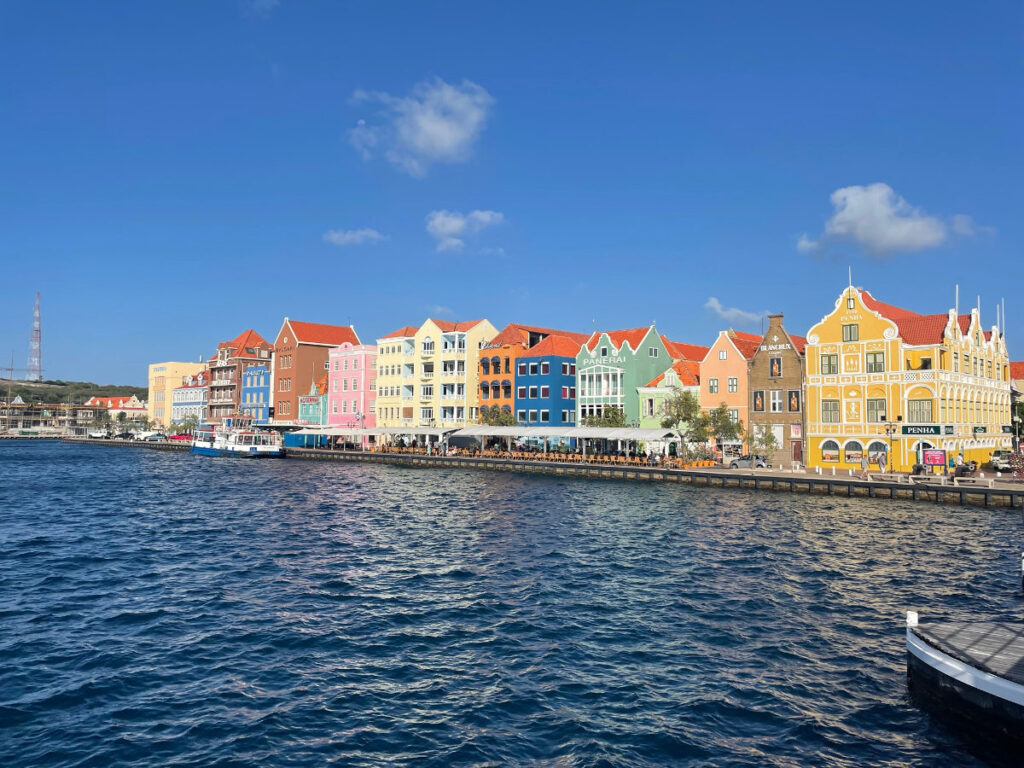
point(599, 433)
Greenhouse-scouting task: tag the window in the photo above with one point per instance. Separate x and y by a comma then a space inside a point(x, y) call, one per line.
point(533, 369)
point(344, 406)
point(344, 365)
point(427, 391)
point(355, 363)
point(533, 415)
point(723, 354)
point(485, 366)
point(830, 451)
point(521, 369)
point(545, 368)
point(774, 367)
point(334, 386)
point(775, 403)
point(759, 400)
point(565, 393)
point(734, 414)
point(851, 332)
point(853, 451)
point(850, 303)
point(520, 416)
point(926, 364)
point(830, 365)
point(919, 411)
point(508, 366)
point(652, 351)
point(521, 393)
point(604, 351)
point(956, 361)
point(830, 414)
point(545, 392)
point(876, 409)
point(544, 417)
point(875, 362)
point(648, 406)
point(565, 417)
point(426, 414)
point(565, 369)
point(572, 369)
point(733, 384)
point(713, 386)
point(335, 365)
point(572, 393)
point(533, 393)
point(428, 346)
point(355, 383)
point(793, 396)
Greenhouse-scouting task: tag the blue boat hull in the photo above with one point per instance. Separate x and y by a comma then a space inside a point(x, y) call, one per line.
point(204, 451)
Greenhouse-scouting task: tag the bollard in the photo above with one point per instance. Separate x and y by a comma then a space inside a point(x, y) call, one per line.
point(911, 618)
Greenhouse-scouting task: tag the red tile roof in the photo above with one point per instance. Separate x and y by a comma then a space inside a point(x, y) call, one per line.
point(406, 331)
point(321, 385)
point(688, 372)
point(916, 328)
point(555, 344)
point(1017, 370)
point(746, 343)
point(679, 350)
point(632, 336)
point(517, 333)
point(327, 335)
point(245, 340)
point(886, 310)
point(448, 326)
point(116, 402)
point(798, 341)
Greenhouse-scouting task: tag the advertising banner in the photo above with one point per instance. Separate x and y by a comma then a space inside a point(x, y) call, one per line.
point(933, 457)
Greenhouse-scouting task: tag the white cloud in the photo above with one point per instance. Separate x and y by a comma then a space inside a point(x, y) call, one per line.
point(439, 309)
point(352, 236)
point(437, 123)
point(732, 314)
point(260, 7)
point(450, 227)
point(879, 220)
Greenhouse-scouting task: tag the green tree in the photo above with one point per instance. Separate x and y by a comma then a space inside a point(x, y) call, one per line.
point(763, 441)
point(101, 420)
point(681, 413)
point(721, 425)
point(612, 416)
point(497, 417)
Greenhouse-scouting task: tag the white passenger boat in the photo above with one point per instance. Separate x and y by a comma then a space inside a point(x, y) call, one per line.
point(232, 440)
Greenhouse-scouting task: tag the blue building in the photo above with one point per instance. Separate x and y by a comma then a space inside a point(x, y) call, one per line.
point(545, 383)
point(255, 397)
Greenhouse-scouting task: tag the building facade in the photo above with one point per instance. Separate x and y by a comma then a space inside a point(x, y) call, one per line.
point(612, 365)
point(396, 371)
point(445, 384)
point(352, 387)
point(545, 383)
point(131, 407)
point(723, 380)
point(777, 391)
point(301, 351)
point(885, 380)
point(255, 392)
point(163, 379)
point(189, 401)
point(226, 369)
point(683, 376)
point(313, 405)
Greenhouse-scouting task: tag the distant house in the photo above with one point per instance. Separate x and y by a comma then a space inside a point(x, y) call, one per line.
point(255, 399)
point(190, 399)
point(301, 353)
point(226, 371)
point(545, 382)
point(131, 407)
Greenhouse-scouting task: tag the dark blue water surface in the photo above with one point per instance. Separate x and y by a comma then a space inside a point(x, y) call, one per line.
point(161, 609)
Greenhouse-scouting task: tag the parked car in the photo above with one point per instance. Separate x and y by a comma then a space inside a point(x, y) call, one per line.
point(748, 461)
point(124, 436)
point(1001, 461)
point(155, 437)
point(182, 436)
point(99, 434)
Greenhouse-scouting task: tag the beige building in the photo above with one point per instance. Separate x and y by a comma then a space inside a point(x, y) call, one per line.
point(163, 379)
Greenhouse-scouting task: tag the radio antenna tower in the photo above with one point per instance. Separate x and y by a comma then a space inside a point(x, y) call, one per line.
point(35, 347)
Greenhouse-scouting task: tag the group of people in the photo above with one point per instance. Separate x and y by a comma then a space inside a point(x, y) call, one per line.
point(866, 460)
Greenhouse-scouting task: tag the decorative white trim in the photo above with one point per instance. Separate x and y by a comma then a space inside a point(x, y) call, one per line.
point(964, 673)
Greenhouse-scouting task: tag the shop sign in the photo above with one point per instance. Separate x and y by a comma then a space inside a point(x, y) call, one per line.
point(949, 429)
point(1007, 429)
point(309, 399)
point(980, 430)
point(933, 457)
point(921, 429)
point(796, 431)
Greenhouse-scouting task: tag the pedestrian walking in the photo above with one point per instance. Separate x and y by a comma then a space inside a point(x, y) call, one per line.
point(864, 466)
point(881, 461)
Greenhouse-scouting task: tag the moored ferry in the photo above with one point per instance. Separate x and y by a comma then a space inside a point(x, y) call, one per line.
point(237, 440)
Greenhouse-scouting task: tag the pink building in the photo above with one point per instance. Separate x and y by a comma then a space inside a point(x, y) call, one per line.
point(352, 387)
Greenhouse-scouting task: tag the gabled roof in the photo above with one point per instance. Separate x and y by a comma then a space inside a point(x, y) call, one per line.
point(517, 333)
point(688, 372)
point(799, 342)
point(405, 332)
point(886, 310)
point(448, 326)
point(1017, 370)
point(321, 385)
point(746, 343)
point(679, 350)
point(915, 328)
point(115, 402)
point(322, 335)
point(556, 345)
point(248, 339)
point(632, 336)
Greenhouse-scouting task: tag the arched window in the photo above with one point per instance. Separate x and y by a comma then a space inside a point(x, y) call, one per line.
point(852, 452)
point(485, 366)
point(830, 451)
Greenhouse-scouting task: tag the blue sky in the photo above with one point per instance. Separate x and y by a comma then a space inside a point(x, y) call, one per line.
point(174, 173)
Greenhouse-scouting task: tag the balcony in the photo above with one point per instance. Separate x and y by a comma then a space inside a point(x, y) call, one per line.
point(427, 375)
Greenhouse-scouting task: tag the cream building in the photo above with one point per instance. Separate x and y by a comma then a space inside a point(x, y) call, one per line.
point(164, 378)
point(395, 369)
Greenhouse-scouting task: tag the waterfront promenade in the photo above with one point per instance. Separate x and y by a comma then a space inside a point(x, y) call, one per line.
point(987, 491)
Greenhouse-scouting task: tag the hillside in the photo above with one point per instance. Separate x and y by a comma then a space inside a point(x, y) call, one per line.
point(62, 391)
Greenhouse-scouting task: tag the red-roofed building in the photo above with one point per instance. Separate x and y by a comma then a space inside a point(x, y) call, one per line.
point(301, 352)
point(497, 368)
point(683, 375)
point(887, 381)
point(776, 373)
point(226, 368)
point(724, 380)
point(545, 381)
point(130, 406)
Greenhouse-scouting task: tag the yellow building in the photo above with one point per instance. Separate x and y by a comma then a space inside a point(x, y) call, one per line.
point(885, 380)
point(428, 376)
point(163, 379)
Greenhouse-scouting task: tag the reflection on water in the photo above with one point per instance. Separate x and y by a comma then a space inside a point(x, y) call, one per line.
point(166, 609)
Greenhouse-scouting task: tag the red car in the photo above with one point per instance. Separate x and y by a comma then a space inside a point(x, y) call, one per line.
point(180, 437)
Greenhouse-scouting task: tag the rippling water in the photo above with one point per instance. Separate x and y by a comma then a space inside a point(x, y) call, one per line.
point(163, 609)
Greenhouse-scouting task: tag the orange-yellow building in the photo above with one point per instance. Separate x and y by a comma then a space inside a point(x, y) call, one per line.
point(888, 381)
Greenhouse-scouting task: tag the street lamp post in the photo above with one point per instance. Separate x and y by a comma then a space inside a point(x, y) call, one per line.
point(1016, 433)
point(891, 428)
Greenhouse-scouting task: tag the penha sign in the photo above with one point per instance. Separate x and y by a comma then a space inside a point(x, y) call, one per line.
point(921, 429)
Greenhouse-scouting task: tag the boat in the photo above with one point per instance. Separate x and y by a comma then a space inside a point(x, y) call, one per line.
point(234, 439)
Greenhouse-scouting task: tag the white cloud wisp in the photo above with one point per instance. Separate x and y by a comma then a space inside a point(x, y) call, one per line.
point(732, 314)
point(343, 237)
point(450, 228)
point(437, 123)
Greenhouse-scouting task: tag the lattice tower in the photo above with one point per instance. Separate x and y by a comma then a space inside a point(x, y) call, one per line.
point(35, 347)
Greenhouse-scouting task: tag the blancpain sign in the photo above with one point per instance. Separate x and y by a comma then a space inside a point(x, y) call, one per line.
point(774, 347)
